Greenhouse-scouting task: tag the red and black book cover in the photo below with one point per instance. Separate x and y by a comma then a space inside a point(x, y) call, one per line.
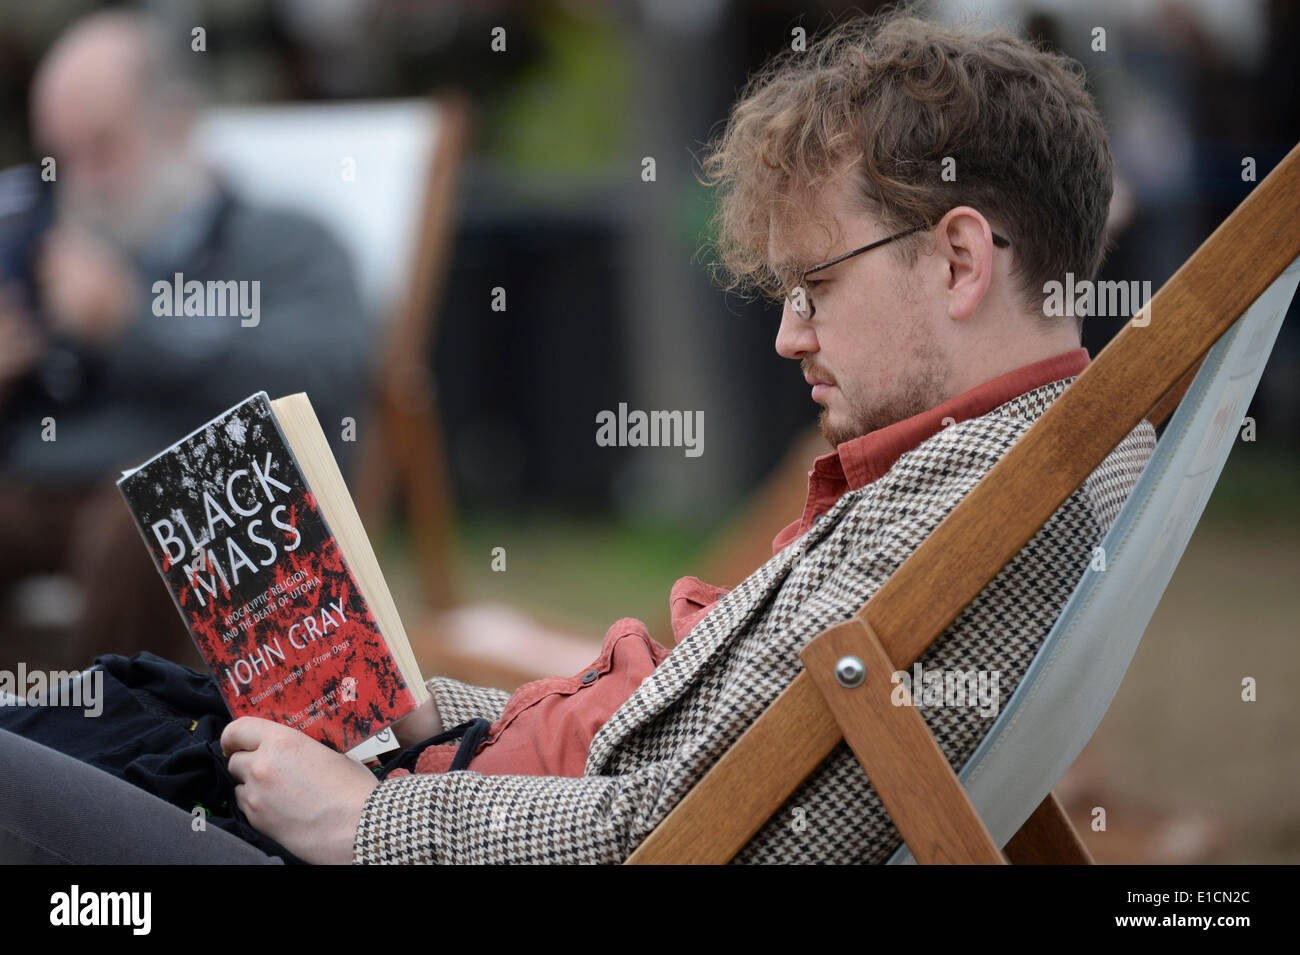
point(260, 582)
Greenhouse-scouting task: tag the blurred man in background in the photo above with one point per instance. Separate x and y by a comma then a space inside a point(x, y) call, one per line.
point(92, 379)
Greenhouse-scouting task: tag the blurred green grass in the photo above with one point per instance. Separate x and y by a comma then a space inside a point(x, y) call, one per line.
point(578, 574)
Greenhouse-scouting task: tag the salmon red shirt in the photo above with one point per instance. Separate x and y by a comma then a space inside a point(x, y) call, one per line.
point(548, 725)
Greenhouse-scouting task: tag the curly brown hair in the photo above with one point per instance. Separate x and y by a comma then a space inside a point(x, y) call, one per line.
point(887, 98)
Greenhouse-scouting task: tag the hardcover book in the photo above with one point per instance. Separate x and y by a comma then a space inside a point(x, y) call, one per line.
point(254, 532)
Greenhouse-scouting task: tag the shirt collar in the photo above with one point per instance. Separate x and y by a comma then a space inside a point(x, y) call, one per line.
point(855, 464)
point(865, 459)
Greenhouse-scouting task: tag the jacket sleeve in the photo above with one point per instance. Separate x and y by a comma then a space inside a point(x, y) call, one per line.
point(457, 702)
point(476, 818)
point(480, 818)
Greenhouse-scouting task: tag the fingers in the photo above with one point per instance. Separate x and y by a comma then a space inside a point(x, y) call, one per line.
point(243, 743)
point(245, 733)
point(235, 765)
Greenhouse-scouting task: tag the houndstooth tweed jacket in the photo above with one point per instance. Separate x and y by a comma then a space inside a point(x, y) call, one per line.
point(740, 657)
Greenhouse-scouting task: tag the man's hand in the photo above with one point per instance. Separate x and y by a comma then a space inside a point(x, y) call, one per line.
point(21, 345)
point(299, 792)
point(419, 724)
point(87, 287)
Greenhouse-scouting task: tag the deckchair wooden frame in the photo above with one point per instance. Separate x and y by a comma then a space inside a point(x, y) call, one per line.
point(1143, 372)
point(404, 454)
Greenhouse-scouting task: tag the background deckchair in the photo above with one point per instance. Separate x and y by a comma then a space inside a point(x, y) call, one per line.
point(382, 175)
point(1194, 321)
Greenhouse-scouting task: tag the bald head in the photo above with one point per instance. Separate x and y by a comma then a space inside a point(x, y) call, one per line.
point(116, 58)
point(110, 101)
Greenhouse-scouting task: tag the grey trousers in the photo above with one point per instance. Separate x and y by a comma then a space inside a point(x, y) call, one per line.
point(58, 810)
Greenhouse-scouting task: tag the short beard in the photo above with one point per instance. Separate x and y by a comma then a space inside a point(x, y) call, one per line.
point(922, 388)
point(172, 184)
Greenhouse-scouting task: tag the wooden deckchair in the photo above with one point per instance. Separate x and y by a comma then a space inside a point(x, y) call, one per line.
point(382, 174)
point(1199, 346)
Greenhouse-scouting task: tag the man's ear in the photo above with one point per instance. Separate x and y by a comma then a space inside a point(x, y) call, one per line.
point(964, 240)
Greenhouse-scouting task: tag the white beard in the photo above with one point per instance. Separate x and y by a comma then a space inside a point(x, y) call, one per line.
point(132, 222)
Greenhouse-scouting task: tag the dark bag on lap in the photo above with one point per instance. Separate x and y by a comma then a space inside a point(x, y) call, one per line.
point(159, 729)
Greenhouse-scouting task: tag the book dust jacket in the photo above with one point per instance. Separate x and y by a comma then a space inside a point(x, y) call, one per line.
point(261, 583)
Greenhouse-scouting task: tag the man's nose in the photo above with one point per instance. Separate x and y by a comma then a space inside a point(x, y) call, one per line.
point(795, 338)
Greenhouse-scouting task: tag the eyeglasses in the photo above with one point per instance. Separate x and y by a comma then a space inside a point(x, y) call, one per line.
point(801, 300)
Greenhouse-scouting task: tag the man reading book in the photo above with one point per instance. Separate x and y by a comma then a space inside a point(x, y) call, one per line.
point(912, 304)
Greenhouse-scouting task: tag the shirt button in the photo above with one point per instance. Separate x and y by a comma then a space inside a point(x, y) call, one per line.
point(589, 676)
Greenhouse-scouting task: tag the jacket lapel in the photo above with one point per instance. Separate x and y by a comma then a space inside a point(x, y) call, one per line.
point(711, 637)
